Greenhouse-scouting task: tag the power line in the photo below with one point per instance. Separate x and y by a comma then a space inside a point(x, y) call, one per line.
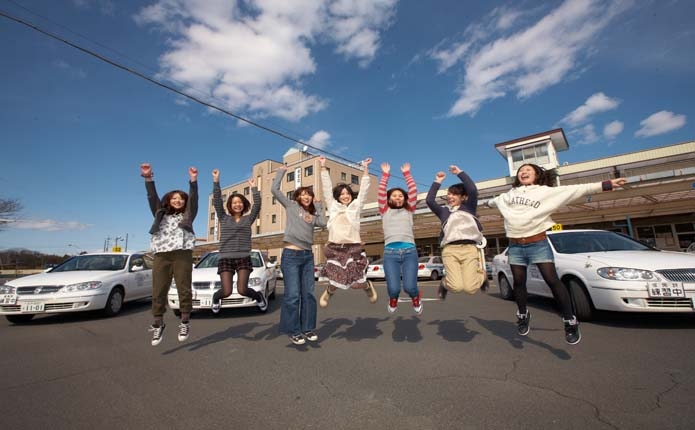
point(157, 82)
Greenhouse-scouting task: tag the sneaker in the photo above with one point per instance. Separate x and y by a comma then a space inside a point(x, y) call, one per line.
point(371, 292)
point(310, 336)
point(263, 303)
point(325, 297)
point(393, 305)
point(572, 333)
point(184, 328)
point(442, 291)
point(157, 333)
point(216, 307)
point(297, 339)
point(417, 306)
point(522, 323)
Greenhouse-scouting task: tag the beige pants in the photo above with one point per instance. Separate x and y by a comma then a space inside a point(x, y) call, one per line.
point(465, 268)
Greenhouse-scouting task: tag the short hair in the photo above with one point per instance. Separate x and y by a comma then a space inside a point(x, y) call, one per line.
point(458, 189)
point(309, 190)
point(166, 202)
point(405, 198)
point(543, 177)
point(244, 201)
point(338, 189)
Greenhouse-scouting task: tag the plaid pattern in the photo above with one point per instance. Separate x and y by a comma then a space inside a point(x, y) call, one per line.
point(234, 264)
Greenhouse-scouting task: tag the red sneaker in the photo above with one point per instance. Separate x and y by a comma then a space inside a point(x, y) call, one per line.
point(393, 305)
point(417, 306)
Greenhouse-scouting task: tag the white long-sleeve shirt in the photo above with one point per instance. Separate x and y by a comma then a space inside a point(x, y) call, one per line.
point(343, 221)
point(527, 209)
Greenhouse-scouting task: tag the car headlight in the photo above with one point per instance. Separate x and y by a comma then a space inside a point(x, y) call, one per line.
point(254, 282)
point(626, 274)
point(82, 286)
point(6, 289)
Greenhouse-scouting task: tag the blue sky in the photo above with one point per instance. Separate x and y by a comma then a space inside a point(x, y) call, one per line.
point(432, 83)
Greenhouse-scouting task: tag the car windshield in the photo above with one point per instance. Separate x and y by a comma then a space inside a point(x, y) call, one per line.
point(92, 262)
point(210, 260)
point(594, 241)
point(377, 262)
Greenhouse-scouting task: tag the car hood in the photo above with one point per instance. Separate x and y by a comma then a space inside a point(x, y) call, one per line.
point(650, 260)
point(62, 278)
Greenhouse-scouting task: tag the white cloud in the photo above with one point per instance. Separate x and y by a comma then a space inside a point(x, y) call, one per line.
point(598, 102)
point(73, 72)
point(47, 225)
point(529, 60)
point(585, 135)
point(660, 123)
point(320, 140)
point(253, 55)
point(612, 129)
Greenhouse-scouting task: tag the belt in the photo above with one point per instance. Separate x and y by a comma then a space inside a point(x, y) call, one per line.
point(463, 242)
point(530, 239)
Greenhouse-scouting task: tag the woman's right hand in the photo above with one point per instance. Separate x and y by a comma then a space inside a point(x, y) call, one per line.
point(439, 177)
point(385, 167)
point(215, 175)
point(146, 170)
point(322, 160)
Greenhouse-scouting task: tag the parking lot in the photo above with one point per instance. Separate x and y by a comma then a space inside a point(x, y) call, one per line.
point(458, 365)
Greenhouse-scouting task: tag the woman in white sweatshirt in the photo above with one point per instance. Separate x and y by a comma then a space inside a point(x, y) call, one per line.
point(526, 209)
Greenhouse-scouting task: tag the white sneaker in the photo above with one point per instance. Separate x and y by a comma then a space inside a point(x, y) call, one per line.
point(263, 304)
point(157, 334)
point(184, 328)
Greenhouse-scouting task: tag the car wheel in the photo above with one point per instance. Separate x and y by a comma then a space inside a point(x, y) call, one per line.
point(582, 302)
point(434, 276)
point(114, 303)
point(506, 290)
point(272, 295)
point(19, 319)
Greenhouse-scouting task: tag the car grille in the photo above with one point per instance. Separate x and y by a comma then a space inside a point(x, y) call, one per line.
point(206, 285)
point(43, 289)
point(47, 307)
point(669, 302)
point(678, 275)
point(227, 301)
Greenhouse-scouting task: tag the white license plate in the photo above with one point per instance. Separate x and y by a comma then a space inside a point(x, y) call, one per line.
point(207, 302)
point(31, 307)
point(666, 289)
point(8, 299)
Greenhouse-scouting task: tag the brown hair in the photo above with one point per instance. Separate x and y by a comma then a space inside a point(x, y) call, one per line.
point(166, 202)
point(244, 201)
point(309, 190)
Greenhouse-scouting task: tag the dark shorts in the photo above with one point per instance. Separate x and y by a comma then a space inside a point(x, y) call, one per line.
point(234, 264)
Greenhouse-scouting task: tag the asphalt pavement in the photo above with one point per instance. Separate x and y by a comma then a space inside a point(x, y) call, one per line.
point(459, 365)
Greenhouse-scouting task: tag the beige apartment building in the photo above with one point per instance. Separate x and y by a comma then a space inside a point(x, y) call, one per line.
point(657, 205)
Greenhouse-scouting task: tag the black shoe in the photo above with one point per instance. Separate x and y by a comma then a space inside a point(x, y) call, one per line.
point(522, 323)
point(442, 291)
point(310, 336)
point(297, 339)
point(263, 303)
point(157, 333)
point(572, 333)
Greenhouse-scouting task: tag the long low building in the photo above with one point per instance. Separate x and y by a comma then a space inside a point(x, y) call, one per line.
point(657, 205)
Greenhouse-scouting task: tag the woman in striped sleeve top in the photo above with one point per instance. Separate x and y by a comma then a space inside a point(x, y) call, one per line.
point(400, 254)
point(235, 242)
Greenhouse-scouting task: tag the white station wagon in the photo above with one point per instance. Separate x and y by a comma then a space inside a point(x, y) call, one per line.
point(100, 281)
point(206, 281)
point(604, 270)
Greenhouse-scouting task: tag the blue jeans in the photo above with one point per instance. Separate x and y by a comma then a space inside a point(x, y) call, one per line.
point(298, 312)
point(531, 253)
point(401, 263)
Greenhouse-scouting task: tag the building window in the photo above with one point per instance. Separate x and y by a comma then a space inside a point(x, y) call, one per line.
point(273, 218)
point(212, 216)
point(343, 176)
point(247, 190)
point(354, 179)
point(212, 231)
point(258, 229)
point(290, 176)
point(289, 194)
point(274, 200)
point(309, 171)
point(537, 154)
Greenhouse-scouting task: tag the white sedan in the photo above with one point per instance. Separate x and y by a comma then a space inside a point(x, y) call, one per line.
point(100, 281)
point(604, 270)
point(206, 281)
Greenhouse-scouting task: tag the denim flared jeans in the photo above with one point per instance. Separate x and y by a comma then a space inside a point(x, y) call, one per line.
point(298, 312)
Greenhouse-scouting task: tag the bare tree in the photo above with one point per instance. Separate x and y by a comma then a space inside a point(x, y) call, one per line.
point(8, 210)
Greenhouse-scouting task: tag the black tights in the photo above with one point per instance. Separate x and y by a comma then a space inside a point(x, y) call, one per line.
point(242, 286)
point(550, 277)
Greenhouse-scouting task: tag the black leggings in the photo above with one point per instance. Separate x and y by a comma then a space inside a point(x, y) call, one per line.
point(550, 277)
point(242, 286)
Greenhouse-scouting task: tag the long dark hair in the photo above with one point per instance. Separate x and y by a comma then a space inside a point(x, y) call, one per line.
point(388, 198)
point(244, 200)
point(309, 190)
point(166, 202)
point(543, 177)
point(339, 189)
